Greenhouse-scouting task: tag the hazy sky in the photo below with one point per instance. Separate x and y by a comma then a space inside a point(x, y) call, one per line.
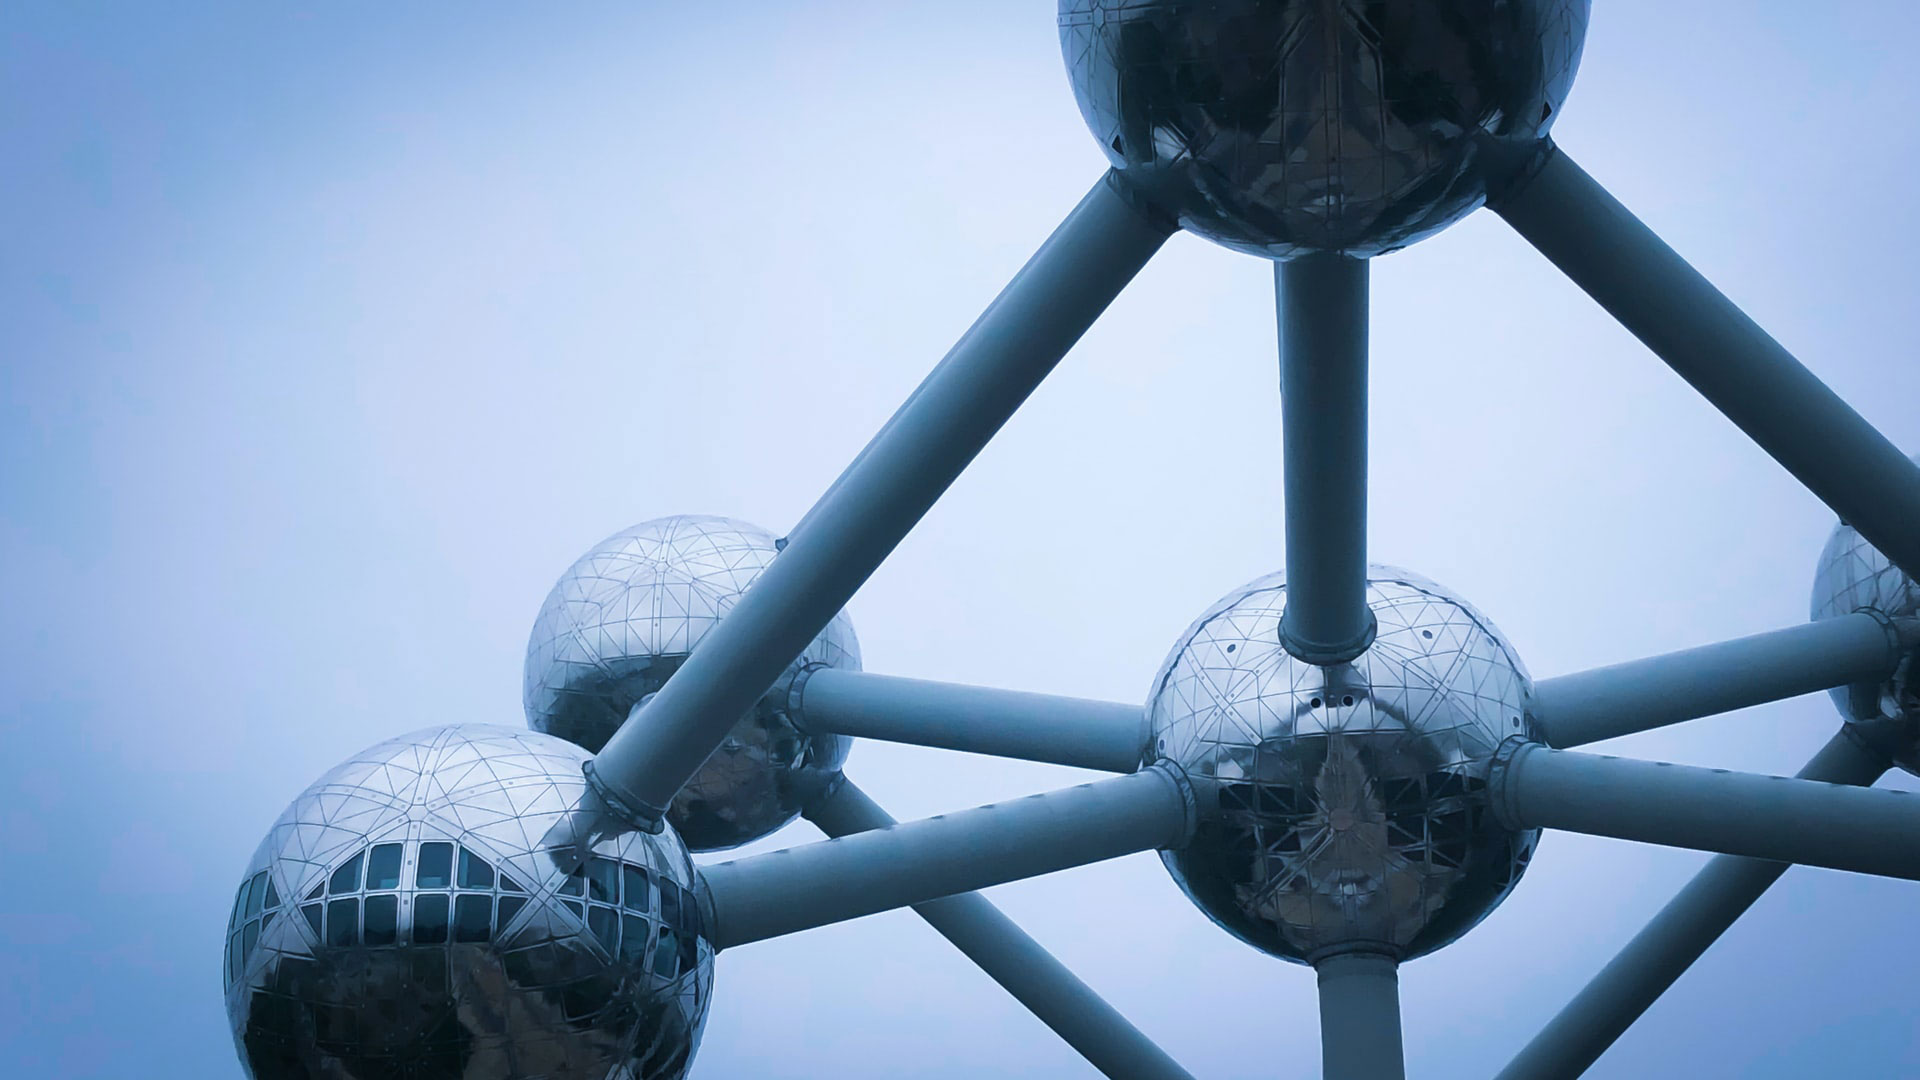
point(331, 333)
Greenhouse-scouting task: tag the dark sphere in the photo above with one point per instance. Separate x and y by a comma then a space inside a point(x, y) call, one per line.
point(1282, 127)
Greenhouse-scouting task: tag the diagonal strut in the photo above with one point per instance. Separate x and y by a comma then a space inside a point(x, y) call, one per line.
point(1662, 951)
point(1001, 359)
point(1712, 344)
point(1017, 962)
point(799, 888)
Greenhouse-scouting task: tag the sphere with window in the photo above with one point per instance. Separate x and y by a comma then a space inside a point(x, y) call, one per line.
point(408, 916)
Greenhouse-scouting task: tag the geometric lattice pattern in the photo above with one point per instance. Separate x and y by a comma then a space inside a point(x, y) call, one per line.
point(1344, 807)
point(626, 615)
point(438, 937)
point(1279, 127)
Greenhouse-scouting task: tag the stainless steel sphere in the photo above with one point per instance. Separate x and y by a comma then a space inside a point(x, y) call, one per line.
point(626, 615)
point(1854, 576)
point(1281, 127)
point(404, 919)
point(1344, 808)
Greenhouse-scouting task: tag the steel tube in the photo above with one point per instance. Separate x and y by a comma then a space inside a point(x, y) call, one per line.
point(1572, 710)
point(1017, 962)
point(799, 888)
point(1713, 345)
point(1035, 727)
point(1360, 1018)
point(1322, 302)
point(1763, 817)
point(1059, 293)
point(1669, 944)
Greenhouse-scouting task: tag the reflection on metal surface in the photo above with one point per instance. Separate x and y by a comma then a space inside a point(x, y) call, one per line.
point(402, 919)
point(1278, 127)
point(1345, 807)
point(626, 615)
point(1854, 576)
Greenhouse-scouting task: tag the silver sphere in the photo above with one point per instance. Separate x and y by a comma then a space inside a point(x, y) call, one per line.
point(1344, 808)
point(1282, 127)
point(403, 919)
point(1854, 576)
point(626, 615)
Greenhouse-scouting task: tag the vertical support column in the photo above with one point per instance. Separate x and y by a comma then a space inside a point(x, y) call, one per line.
point(1322, 303)
point(1360, 1018)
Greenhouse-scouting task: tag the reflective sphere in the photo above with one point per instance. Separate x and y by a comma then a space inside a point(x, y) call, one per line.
point(1344, 807)
point(1854, 576)
point(1280, 127)
point(626, 615)
point(402, 919)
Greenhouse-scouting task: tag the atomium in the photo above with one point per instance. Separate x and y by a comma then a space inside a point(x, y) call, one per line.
point(1280, 127)
point(403, 918)
point(1344, 807)
point(626, 615)
point(1854, 576)
point(1342, 766)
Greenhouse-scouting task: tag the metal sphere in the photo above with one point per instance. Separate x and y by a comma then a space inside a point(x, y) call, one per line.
point(1344, 808)
point(1854, 576)
point(626, 616)
point(1282, 127)
point(404, 919)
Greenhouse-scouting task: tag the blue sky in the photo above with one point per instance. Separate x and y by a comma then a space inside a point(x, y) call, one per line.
point(331, 334)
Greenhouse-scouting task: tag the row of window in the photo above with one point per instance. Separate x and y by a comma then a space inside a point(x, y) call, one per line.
point(433, 869)
point(253, 911)
point(359, 904)
point(439, 918)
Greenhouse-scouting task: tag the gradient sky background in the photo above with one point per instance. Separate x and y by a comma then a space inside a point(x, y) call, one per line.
point(331, 333)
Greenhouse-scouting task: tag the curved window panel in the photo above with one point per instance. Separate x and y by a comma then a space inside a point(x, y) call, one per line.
point(472, 918)
point(312, 912)
point(343, 918)
point(430, 918)
point(670, 904)
point(633, 939)
point(347, 878)
point(603, 880)
point(666, 954)
point(636, 892)
point(383, 919)
point(256, 892)
point(605, 926)
point(475, 872)
point(509, 885)
point(383, 866)
point(435, 869)
point(508, 908)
